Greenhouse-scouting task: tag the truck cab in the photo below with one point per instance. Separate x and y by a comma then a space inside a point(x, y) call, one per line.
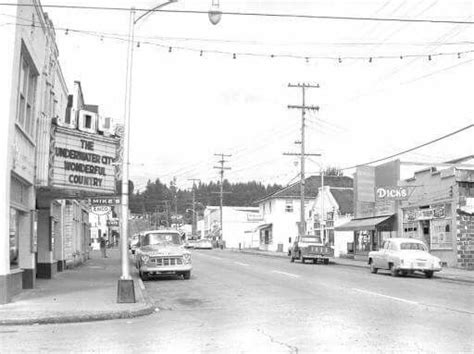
point(310, 247)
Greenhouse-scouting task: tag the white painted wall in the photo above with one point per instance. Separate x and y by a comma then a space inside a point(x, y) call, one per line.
point(284, 224)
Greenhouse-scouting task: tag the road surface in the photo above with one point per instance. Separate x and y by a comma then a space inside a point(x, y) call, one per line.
point(245, 303)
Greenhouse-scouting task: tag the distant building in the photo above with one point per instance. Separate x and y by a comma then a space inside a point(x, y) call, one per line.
point(237, 221)
point(281, 211)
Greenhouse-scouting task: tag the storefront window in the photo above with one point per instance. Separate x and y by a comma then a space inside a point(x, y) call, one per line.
point(266, 237)
point(14, 237)
point(441, 236)
point(410, 229)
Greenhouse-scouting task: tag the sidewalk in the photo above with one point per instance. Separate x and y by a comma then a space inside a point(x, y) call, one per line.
point(85, 293)
point(454, 274)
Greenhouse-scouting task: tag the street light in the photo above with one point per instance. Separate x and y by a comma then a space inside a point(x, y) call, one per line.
point(125, 290)
point(214, 13)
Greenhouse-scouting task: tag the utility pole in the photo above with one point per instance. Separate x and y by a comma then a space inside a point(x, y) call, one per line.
point(303, 107)
point(193, 230)
point(175, 196)
point(222, 168)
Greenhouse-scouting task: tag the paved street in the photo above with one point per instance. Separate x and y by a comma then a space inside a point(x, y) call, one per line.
point(246, 303)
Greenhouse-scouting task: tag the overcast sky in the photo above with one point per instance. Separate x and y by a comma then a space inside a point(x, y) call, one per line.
point(187, 107)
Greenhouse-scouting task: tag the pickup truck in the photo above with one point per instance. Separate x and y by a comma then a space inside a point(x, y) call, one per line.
point(310, 248)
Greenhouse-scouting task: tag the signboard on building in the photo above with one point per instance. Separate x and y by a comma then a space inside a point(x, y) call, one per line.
point(105, 200)
point(82, 161)
point(112, 222)
point(391, 193)
point(101, 209)
point(254, 217)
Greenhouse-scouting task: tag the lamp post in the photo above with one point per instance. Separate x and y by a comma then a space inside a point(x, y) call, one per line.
point(125, 289)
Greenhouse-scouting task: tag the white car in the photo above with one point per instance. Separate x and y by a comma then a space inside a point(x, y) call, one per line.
point(203, 244)
point(405, 256)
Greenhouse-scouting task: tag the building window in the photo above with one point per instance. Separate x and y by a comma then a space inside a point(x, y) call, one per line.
point(441, 237)
point(270, 207)
point(289, 206)
point(27, 96)
point(88, 121)
point(14, 237)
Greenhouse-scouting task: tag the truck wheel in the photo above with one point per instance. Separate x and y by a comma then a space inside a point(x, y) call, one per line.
point(373, 269)
point(187, 275)
point(429, 274)
point(393, 271)
point(143, 275)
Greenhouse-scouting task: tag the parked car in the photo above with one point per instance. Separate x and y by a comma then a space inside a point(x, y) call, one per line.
point(310, 248)
point(161, 252)
point(203, 244)
point(405, 256)
point(189, 243)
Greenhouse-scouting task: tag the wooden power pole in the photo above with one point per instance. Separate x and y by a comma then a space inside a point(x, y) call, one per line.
point(221, 169)
point(303, 107)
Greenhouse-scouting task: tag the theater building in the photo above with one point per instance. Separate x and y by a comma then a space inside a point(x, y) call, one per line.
point(56, 151)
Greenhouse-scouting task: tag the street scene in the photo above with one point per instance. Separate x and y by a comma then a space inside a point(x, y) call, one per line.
point(244, 177)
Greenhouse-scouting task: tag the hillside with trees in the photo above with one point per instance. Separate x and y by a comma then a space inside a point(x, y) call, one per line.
point(164, 200)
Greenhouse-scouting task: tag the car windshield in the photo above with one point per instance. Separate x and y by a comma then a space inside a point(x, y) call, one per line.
point(413, 246)
point(161, 239)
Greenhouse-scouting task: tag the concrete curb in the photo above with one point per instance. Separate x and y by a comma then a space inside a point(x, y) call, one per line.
point(147, 309)
point(440, 276)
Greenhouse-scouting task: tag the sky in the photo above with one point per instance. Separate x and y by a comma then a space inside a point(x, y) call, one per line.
point(187, 107)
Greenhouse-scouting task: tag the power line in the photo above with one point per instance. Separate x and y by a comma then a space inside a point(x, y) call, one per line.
point(253, 14)
point(236, 54)
point(412, 149)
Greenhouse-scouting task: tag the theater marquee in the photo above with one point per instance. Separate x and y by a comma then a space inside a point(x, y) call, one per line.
point(82, 161)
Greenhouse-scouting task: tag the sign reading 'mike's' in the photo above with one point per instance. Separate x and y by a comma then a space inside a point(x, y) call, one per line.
point(82, 161)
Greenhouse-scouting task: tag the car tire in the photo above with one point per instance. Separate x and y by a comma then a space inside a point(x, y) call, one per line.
point(143, 275)
point(393, 271)
point(429, 274)
point(187, 275)
point(373, 269)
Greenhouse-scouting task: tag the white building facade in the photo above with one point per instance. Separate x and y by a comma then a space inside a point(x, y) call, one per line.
point(238, 222)
point(281, 212)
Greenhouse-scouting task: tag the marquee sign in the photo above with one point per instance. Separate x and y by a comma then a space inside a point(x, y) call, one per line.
point(391, 193)
point(82, 161)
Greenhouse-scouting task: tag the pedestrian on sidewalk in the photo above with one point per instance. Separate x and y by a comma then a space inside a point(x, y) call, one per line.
point(103, 246)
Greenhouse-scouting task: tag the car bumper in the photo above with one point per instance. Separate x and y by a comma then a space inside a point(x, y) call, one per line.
point(166, 269)
point(315, 256)
point(418, 268)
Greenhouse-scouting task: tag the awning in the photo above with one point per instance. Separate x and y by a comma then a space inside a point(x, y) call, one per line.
point(363, 224)
point(263, 226)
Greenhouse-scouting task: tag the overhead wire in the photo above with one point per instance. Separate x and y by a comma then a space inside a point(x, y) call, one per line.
point(250, 14)
point(413, 148)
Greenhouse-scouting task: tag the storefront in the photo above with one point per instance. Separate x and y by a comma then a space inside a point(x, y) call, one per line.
point(265, 233)
point(369, 233)
point(433, 224)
